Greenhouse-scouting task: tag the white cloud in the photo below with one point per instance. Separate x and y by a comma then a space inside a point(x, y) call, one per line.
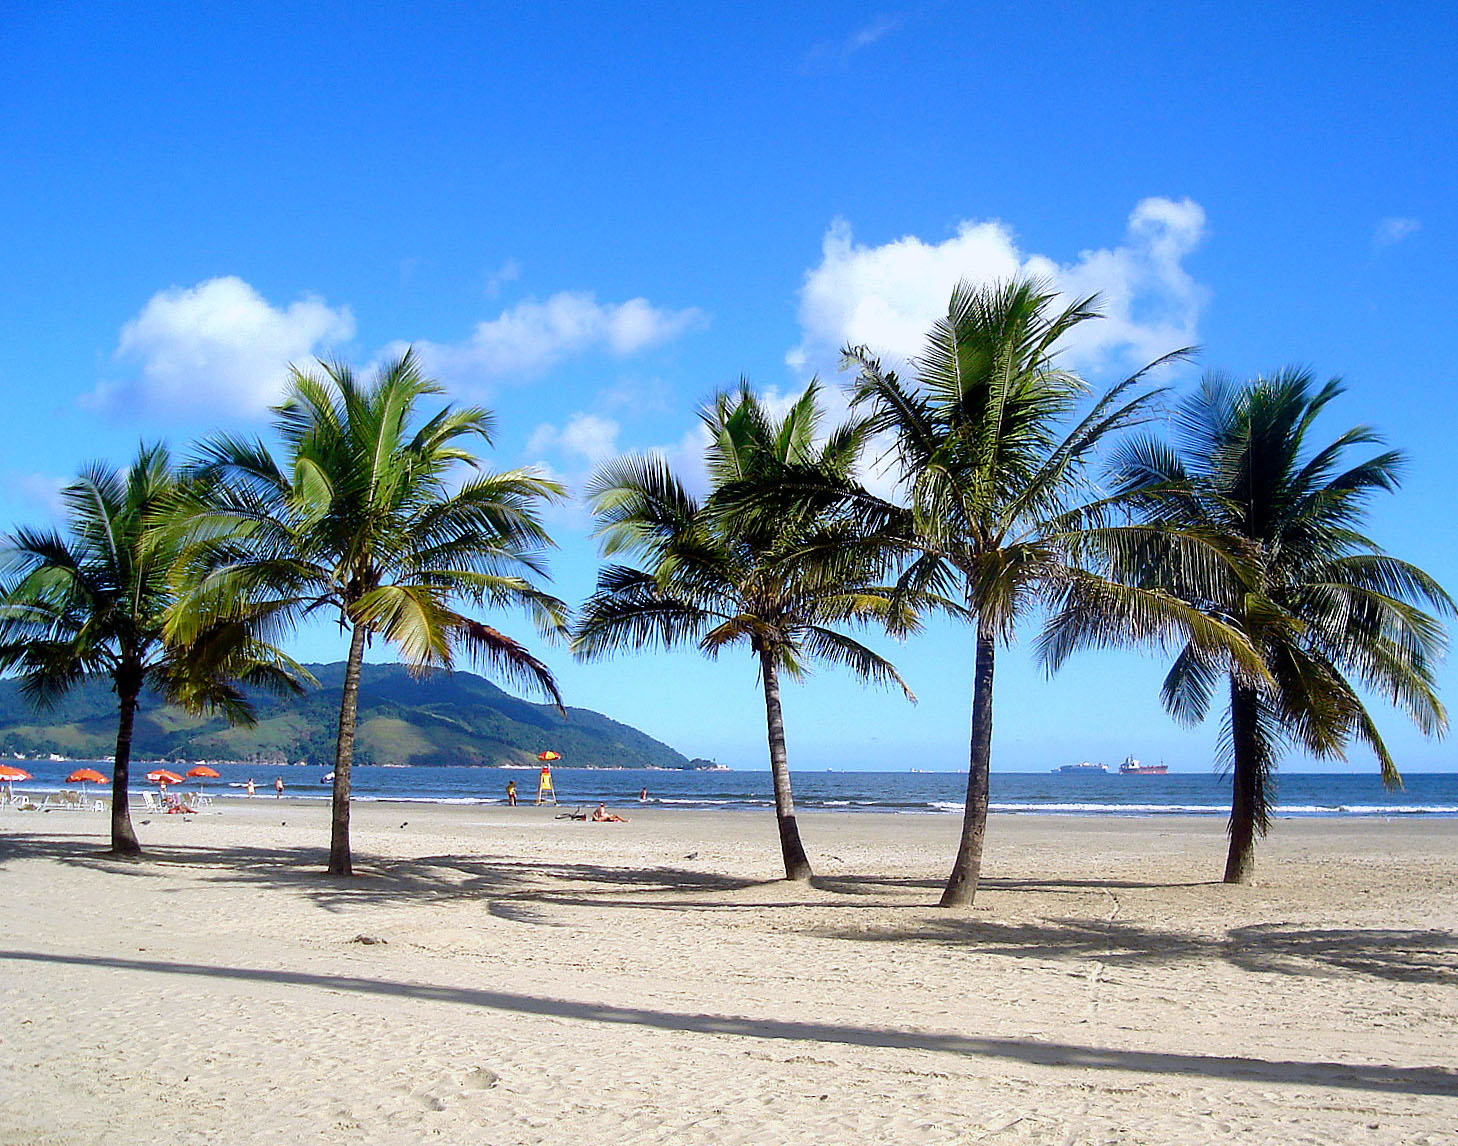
point(585, 436)
point(837, 53)
point(507, 272)
point(533, 335)
point(886, 297)
point(218, 346)
point(42, 492)
point(1392, 230)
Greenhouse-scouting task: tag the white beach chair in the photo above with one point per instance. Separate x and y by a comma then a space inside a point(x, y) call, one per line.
point(149, 804)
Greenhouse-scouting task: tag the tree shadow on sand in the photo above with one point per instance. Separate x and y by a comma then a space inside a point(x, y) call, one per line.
point(527, 892)
point(1348, 1076)
point(419, 879)
point(1412, 956)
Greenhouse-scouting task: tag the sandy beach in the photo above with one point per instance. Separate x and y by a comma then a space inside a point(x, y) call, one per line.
point(499, 976)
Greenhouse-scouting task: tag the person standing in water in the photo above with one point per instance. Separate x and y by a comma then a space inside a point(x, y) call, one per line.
point(643, 796)
point(278, 787)
point(511, 793)
point(252, 787)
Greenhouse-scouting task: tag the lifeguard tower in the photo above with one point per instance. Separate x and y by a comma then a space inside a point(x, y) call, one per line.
point(546, 791)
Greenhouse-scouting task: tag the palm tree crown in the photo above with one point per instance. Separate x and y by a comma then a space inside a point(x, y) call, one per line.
point(997, 510)
point(360, 520)
point(783, 585)
point(94, 602)
point(1329, 614)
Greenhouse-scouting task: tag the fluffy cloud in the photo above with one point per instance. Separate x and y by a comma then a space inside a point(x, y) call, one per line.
point(886, 297)
point(534, 335)
point(42, 491)
point(218, 346)
point(1393, 230)
point(587, 437)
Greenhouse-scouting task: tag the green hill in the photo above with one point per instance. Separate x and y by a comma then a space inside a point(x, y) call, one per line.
point(446, 718)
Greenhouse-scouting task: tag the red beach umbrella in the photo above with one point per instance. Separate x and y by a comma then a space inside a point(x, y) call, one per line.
point(84, 776)
point(162, 776)
point(202, 772)
point(9, 772)
point(549, 756)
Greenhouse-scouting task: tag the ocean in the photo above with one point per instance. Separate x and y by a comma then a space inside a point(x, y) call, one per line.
point(911, 793)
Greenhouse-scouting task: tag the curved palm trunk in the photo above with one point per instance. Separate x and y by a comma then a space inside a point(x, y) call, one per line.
point(797, 864)
point(123, 836)
point(1248, 798)
point(967, 869)
point(340, 860)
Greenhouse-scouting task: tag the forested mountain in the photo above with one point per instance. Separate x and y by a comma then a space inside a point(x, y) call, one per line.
point(445, 718)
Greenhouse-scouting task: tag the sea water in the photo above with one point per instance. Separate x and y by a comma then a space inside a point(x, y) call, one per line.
point(927, 793)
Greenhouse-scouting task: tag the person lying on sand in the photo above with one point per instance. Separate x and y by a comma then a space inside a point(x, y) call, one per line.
point(600, 815)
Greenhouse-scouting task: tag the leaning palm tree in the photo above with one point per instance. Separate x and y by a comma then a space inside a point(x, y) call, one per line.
point(782, 585)
point(359, 522)
point(92, 602)
point(1327, 611)
point(995, 507)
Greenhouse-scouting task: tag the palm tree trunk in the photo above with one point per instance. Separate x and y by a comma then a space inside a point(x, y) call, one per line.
point(123, 836)
point(340, 861)
point(797, 864)
point(1248, 796)
point(967, 869)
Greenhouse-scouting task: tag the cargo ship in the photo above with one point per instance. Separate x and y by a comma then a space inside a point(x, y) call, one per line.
point(1083, 768)
point(1132, 767)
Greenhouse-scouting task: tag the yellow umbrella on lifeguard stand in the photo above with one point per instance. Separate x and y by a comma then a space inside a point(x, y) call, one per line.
point(545, 790)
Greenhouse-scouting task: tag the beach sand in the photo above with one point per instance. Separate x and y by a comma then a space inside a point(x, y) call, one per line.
point(544, 981)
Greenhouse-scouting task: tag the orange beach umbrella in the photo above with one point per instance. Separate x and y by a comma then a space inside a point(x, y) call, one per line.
point(84, 776)
point(549, 756)
point(162, 776)
point(202, 772)
point(9, 772)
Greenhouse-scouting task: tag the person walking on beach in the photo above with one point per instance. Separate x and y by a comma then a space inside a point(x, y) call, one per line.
point(252, 787)
point(278, 787)
point(511, 793)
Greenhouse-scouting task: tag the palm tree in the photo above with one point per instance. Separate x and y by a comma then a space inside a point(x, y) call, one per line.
point(996, 509)
point(780, 585)
point(359, 522)
point(93, 602)
point(1327, 611)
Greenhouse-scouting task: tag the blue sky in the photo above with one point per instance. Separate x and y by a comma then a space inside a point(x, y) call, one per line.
point(589, 217)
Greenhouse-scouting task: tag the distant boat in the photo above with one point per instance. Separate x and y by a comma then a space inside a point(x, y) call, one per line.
point(1081, 769)
point(327, 778)
point(1132, 767)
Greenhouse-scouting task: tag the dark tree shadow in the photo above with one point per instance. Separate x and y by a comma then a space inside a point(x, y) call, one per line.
point(1421, 956)
point(1437, 1080)
point(525, 892)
